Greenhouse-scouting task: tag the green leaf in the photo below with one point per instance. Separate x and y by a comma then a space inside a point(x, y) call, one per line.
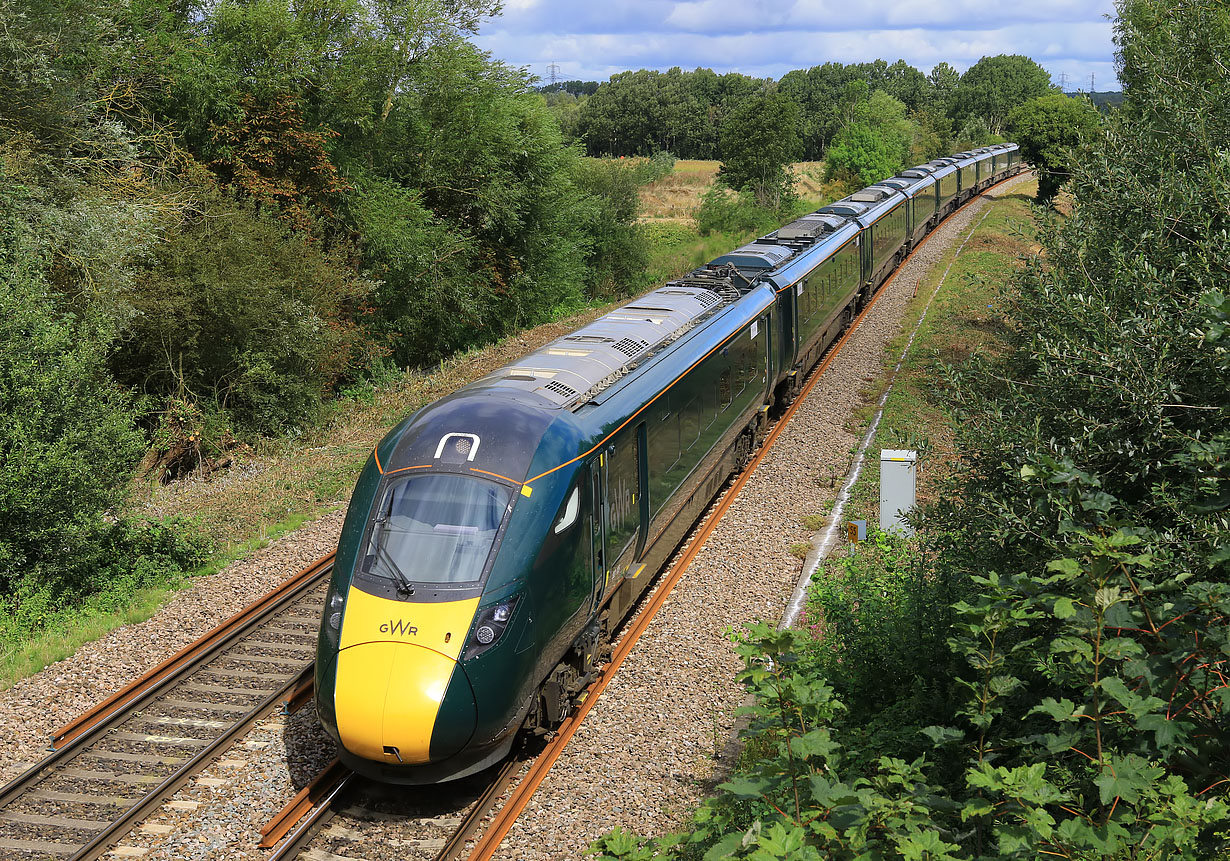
point(1061, 710)
point(817, 743)
point(727, 847)
point(1065, 566)
point(1064, 608)
point(745, 787)
point(1126, 777)
point(942, 735)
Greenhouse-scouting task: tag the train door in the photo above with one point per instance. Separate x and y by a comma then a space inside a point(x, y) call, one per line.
point(624, 479)
point(788, 327)
point(597, 474)
point(782, 359)
point(867, 262)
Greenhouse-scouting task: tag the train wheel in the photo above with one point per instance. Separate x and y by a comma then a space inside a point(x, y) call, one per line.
point(744, 446)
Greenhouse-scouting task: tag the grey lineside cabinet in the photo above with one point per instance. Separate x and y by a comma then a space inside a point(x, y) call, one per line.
point(898, 468)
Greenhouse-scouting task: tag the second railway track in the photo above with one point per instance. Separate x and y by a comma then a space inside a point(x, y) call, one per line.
point(121, 760)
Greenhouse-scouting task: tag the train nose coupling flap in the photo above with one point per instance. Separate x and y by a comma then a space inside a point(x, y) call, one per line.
point(390, 697)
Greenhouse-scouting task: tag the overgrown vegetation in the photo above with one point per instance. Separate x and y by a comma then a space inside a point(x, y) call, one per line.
point(216, 217)
point(1043, 672)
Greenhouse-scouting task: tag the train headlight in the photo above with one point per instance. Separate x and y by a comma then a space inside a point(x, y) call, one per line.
point(492, 622)
point(335, 604)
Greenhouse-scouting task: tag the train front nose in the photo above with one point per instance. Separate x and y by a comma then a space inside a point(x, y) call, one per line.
point(402, 703)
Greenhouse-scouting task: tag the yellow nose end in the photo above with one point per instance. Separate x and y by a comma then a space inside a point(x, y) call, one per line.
point(388, 697)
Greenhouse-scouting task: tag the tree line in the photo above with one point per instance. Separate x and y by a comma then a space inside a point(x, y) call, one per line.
point(875, 116)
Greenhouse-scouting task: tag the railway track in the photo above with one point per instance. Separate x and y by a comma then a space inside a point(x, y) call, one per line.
point(314, 816)
point(434, 823)
point(117, 763)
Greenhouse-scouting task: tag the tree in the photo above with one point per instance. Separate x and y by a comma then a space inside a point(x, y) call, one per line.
point(760, 140)
point(993, 86)
point(68, 435)
point(1048, 129)
point(875, 143)
point(944, 80)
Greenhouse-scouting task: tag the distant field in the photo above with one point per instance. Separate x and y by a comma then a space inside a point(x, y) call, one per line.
point(676, 197)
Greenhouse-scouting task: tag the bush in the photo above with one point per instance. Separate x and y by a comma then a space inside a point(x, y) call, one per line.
point(724, 211)
point(68, 435)
point(879, 619)
point(618, 252)
point(240, 310)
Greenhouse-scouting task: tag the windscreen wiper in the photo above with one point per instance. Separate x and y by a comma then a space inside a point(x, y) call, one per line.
point(403, 583)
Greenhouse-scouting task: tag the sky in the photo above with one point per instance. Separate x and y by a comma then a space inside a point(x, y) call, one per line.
point(590, 40)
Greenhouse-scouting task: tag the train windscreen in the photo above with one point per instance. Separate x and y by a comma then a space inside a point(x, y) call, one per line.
point(436, 528)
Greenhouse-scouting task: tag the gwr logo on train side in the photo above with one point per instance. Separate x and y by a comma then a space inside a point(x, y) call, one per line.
point(400, 626)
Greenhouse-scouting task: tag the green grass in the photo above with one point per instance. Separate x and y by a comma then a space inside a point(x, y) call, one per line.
point(65, 629)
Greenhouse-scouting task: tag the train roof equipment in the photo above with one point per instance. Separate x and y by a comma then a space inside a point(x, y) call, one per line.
point(847, 207)
point(809, 228)
point(755, 255)
point(569, 371)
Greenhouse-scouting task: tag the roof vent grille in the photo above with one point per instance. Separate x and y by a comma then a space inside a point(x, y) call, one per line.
point(630, 346)
point(560, 389)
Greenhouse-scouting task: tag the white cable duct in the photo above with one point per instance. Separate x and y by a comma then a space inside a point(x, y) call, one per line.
point(828, 536)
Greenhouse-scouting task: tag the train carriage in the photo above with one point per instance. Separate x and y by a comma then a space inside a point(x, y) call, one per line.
point(947, 179)
point(967, 175)
point(920, 190)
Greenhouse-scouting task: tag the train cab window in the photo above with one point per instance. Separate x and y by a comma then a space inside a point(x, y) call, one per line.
point(568, 516)
point(436, 528)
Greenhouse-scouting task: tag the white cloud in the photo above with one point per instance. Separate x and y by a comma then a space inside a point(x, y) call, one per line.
point(768, 39)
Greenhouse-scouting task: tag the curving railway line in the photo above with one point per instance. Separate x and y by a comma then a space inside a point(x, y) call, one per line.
point(119, 762)
point(486, 821)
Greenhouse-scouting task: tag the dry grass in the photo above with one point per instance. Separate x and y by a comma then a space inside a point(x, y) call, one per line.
point(809, 180)
point(676, 196)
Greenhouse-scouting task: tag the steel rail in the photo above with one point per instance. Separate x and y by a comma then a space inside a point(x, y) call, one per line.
point(304, 802)
point(121, 698)
point(313, 819)
point(77, 737)
point(486, 802)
